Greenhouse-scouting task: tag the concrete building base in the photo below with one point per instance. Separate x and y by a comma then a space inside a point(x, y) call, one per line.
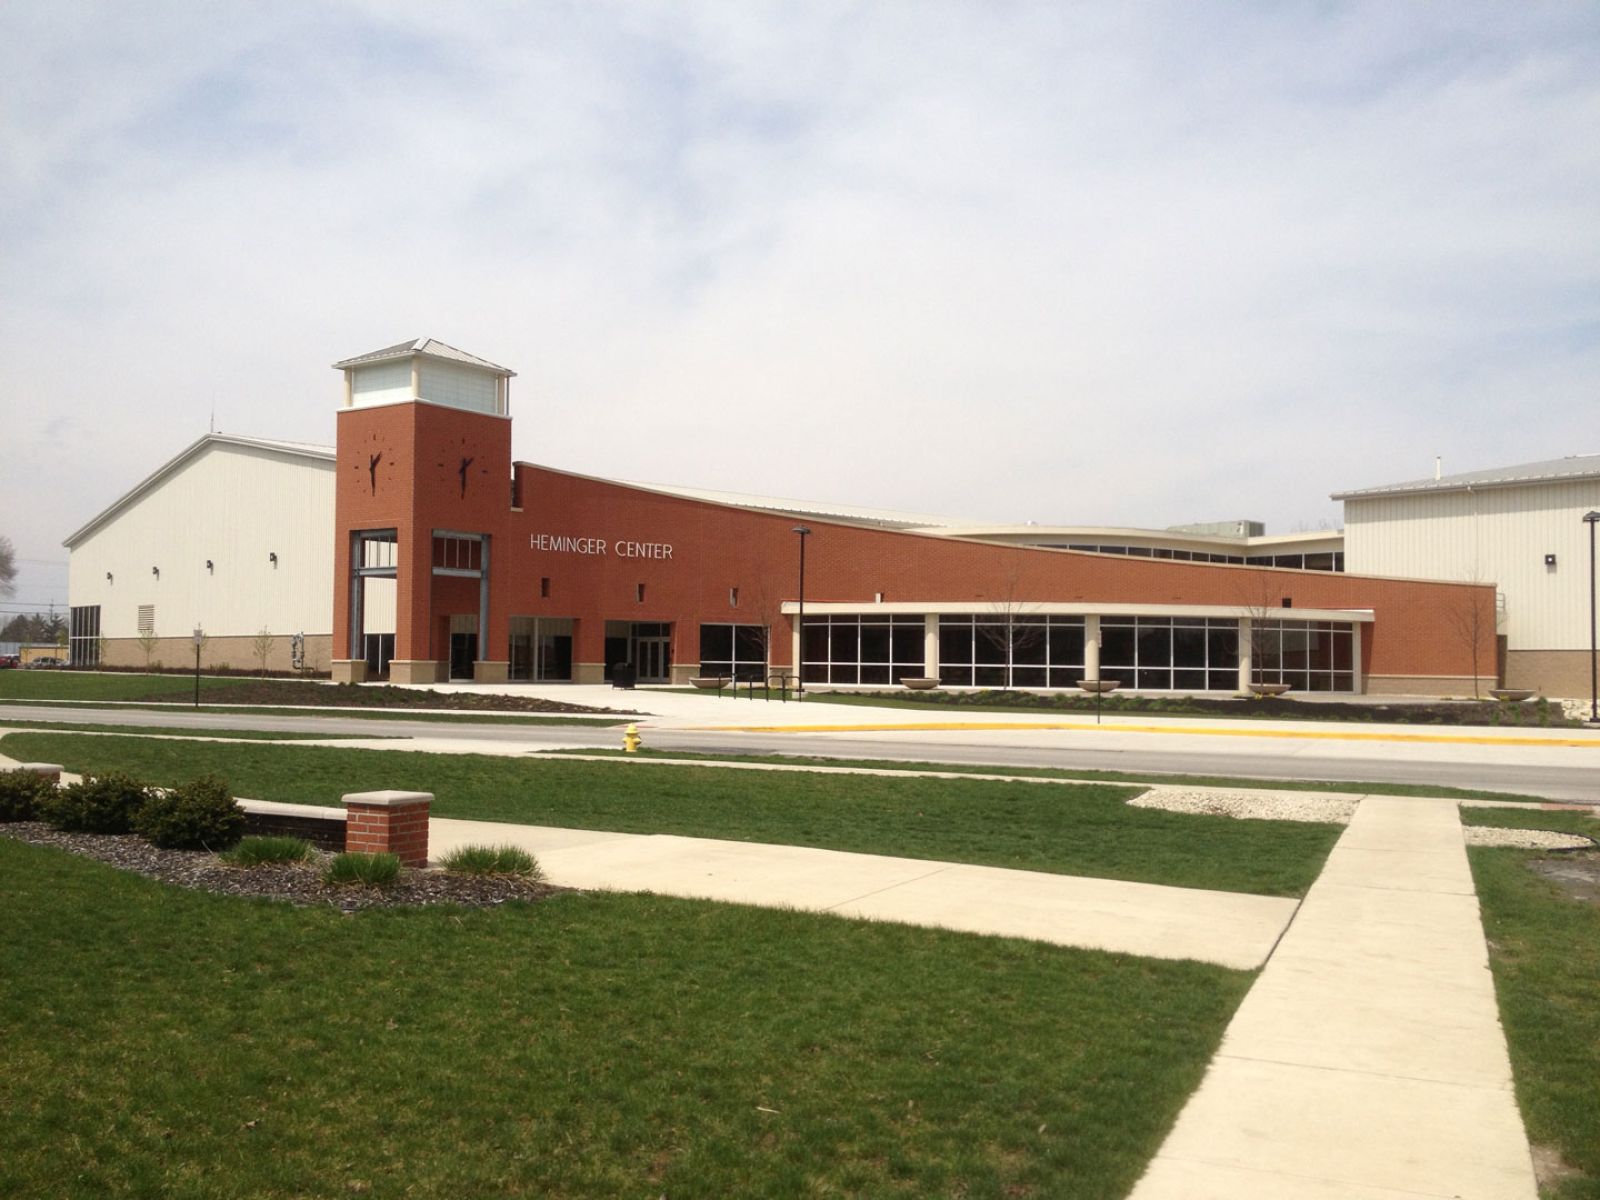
point(240, 653)
point(1560, 674)
point(1455, 686)
point(417, 670)
point(349, 670)
point(491, 672)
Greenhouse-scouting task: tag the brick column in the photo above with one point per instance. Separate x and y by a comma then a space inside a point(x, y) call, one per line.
point(388, 823)
point(50, 771)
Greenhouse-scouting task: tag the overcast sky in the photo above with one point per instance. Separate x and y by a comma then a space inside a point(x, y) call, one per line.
point(1130, 263)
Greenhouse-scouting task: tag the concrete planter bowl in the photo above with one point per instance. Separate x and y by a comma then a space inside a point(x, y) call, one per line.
point(1268, 689)
point(919, 683)
point(1511, 694)
point(709, 683)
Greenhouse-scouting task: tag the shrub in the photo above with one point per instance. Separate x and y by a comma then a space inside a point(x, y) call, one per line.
point(107, 803)
point(260, 851)
point(492, 860)
point(23, 794)
point(370, 870)
point(199, 815)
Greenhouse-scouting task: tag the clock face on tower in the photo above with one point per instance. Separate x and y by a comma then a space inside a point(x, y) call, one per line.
point(461, 467)
point(374, 462)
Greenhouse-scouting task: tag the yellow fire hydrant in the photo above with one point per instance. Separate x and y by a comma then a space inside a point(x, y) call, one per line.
point(631, 740)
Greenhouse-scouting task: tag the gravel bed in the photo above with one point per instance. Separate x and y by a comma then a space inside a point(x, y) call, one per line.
point(1251, 806)
point(298, 883)
point(1528, 839)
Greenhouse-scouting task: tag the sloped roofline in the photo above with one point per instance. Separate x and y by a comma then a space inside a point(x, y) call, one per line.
point(321, 455)
point(426, 348)
point(1574, 467)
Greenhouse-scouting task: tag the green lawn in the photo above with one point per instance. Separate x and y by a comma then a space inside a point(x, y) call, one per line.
point(1544, 948)
point(183, 1045)
point(1071, 829)
point(82, 685)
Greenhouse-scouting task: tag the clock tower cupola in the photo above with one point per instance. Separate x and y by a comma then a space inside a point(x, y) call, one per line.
point(424, 452)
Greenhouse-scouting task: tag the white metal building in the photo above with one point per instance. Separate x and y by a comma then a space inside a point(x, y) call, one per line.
point(232, 536)
point(1518, 527)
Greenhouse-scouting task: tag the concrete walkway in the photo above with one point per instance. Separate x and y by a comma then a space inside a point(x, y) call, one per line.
point(1368, 1059)
point(1103, 914)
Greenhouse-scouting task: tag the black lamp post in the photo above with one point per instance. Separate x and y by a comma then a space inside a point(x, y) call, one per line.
point(199, 640)
point(1592, 519)
point(800, 619)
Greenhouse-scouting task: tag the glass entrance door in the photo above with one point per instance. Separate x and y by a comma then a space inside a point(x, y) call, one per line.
point(463, 652)
point(653, 658)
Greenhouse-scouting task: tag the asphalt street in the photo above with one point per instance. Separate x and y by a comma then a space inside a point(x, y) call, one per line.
point(1559, 772)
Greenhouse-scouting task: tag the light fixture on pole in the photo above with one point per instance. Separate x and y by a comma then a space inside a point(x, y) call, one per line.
point(800, 619)
point(1591, 519)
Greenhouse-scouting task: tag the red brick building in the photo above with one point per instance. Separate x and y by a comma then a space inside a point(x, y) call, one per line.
point(508, 570)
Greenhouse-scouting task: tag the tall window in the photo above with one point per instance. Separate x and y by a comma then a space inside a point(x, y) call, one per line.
point(1186, 654)
point(84, 636)
point(1310, 656)
point(736, 651)
point(1028, 650)
point(870, 648)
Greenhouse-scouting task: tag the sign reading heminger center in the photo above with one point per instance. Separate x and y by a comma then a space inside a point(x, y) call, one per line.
point(622, 548)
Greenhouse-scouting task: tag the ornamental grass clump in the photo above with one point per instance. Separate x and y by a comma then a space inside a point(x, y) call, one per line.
point(23, 794)
point(367, 870)
point(267, 851)
point(108, 803)
point(198, 815)
point(492, 860)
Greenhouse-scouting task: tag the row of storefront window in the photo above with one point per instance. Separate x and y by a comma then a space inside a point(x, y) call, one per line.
point(1031, 651)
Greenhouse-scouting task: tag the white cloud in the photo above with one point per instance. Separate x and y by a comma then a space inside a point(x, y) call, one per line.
point(1133, 264)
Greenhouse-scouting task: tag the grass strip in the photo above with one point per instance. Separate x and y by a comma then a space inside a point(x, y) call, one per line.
point(1276, 785)
point(1082, 830)
point(82, 685)
point(606, 1045)
point(485, 717)
point(264, 695)
point(1533, 818)
point(181, 731)
point(1544, 949)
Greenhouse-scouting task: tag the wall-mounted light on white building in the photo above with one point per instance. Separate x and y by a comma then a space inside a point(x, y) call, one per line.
point(272, 557)
point(209, 567)
point(156, 571)
point(108, 577)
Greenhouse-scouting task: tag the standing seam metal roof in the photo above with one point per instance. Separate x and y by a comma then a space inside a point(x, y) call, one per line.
point(1555, 470)
point(430, 347)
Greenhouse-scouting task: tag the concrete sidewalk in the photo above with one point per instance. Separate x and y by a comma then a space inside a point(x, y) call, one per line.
point(1103, 914)
point(1368, 1059)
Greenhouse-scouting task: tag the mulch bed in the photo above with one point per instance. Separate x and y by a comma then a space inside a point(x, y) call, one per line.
point(298, 883)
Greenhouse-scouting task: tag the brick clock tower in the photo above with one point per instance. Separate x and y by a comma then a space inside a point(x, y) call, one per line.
point(422, 490)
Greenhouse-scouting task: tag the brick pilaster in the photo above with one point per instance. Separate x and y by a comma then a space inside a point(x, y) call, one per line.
point(388, 823)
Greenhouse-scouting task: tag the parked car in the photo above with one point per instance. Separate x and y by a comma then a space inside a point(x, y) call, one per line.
point(39, 664)
point(8, 661)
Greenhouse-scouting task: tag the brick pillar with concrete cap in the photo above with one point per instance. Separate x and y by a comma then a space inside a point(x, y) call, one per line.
point(388, 823)
point(50, 771)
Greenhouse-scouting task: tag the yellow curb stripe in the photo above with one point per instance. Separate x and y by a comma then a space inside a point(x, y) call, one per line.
point(1331, 735)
